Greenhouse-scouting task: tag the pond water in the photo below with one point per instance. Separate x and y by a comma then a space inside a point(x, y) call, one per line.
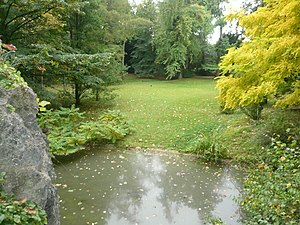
point(106, 187)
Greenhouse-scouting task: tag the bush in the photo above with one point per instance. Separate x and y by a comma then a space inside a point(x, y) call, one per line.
point(110, 125)
point(272, 191)
point(9, 77)
point(19, 211)
point(208, 148)
point(67, 133)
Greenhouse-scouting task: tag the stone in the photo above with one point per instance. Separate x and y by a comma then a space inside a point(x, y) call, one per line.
point(24, 153)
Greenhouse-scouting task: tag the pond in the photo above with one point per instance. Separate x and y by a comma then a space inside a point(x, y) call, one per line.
point(109, 187)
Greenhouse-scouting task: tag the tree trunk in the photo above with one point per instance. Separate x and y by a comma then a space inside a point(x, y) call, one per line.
point(180, 75)
point(124, 52)
point(221, 32)
point(77, 94)
point(97, 94)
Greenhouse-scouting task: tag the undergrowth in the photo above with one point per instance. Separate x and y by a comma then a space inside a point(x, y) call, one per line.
point(272, 191)
point(208, 148)
point(19, 211)
point(69, 132)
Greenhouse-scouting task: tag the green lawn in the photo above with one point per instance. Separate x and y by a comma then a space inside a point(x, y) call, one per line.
point(171, 114)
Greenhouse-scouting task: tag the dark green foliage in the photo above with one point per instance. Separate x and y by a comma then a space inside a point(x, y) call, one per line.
point(272, 191)
point(68, 133)
point(18, 17)
point(221, 47)
point(110, 125)
point(144, 55)
point(82, 72)
point(206, 63)
point(180, 34)
point(19, 211)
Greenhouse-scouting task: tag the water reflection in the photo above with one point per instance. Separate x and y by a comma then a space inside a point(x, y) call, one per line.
point(137, 188)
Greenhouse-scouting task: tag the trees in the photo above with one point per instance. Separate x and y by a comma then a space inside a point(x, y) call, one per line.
point(181, 26)
point(82, 72)
point(75, 42)
point(16, 16)
point(143, 53)
point(266, 66)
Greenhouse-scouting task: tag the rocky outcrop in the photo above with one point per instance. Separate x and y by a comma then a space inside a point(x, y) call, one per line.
point(24, 152)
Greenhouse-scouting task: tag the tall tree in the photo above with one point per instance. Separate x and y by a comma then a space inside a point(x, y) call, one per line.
point(266, 66)
point(143, 54)
point(181, 27)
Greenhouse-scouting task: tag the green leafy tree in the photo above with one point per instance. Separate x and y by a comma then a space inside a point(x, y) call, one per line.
point(82, 72)
point(266, 66)
point(17, 18)
point(179, 31)
point(143, 54)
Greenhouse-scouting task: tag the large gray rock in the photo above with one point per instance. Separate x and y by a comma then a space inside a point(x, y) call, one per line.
point(24, 152)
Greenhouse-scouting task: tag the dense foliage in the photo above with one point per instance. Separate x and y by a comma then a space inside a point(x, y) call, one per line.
point(9, 77)
point(68, 133)
point(19, 211)
point(175, 43)
point(272, 191)
point(266, 66)
point(77, 73)
point(179, 34)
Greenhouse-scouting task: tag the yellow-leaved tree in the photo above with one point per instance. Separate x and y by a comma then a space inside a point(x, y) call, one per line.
point(267, 65)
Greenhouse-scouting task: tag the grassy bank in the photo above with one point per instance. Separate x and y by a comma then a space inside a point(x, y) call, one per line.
point(176, 114)
point(173, 114)
point(168, 114)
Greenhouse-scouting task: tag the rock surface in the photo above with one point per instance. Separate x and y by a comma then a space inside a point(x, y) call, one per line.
point(24, 152)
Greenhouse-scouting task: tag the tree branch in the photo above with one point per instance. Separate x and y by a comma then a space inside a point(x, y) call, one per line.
point(22, 15)
point(28, 21)
point(7, 12)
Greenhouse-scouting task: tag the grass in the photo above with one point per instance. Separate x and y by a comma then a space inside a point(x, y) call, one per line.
point(167, 114)
point(171, 114)
point(174, 114)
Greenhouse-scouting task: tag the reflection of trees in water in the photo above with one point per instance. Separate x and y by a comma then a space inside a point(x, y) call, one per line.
point(115, 186)
point(189, 186)
point(139, 177)
point(98, 189)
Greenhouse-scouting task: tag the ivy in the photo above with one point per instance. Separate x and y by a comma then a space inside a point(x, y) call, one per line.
point(272, 191)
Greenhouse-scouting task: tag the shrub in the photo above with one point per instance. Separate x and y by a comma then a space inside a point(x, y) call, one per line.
point(9, 77)
point(110, 125)
point(67, 133)
point(272, 191)
point(208, 148)
point(19, 211)
point(61, 127)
